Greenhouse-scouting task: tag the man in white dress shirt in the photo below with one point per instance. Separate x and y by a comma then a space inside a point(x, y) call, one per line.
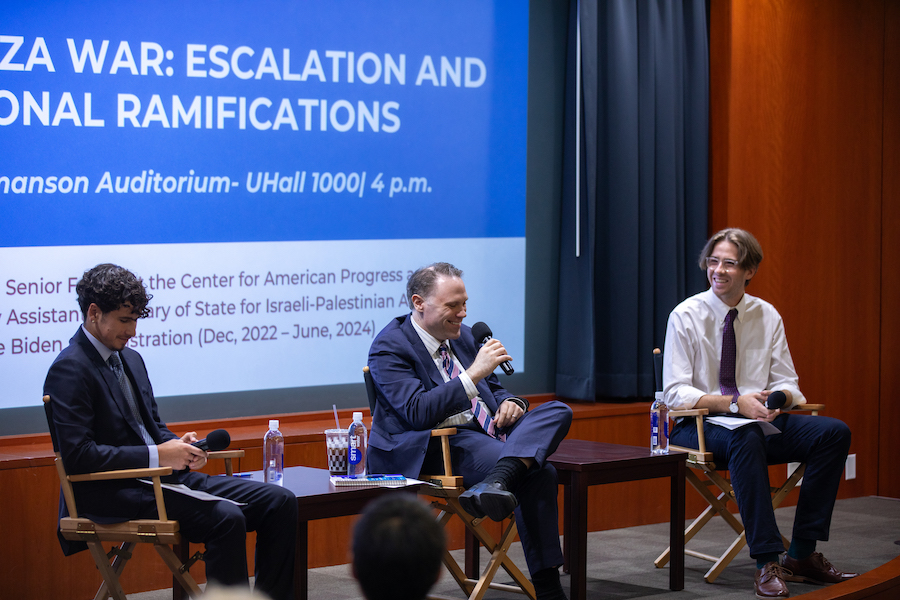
point(727, 351)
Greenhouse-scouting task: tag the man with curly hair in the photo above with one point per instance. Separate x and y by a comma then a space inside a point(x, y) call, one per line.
point(106, 418)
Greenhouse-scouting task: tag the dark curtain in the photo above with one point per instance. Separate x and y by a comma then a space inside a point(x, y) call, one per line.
point(644, 178)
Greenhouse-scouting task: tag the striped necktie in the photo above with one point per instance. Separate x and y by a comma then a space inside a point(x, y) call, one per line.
point(482, 415)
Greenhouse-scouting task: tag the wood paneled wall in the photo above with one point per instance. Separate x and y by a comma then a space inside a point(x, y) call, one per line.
point(889, 407)
point(804, 109)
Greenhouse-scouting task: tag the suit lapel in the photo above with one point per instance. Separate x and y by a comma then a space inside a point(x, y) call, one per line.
point(422, 354)
point(463, 353)
point(112, 383)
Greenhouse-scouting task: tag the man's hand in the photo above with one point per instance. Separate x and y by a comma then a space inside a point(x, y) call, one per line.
point(753, 406)
point(789, 397)
point(488, 358)
point(179, 454)
point(508, 414)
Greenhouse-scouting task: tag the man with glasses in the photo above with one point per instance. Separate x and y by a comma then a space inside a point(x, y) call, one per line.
point(726, 351)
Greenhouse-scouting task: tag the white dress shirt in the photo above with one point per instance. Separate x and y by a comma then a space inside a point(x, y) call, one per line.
point(693, 350)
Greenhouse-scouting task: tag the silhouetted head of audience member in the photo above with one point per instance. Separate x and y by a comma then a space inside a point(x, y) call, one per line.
point(397, 549)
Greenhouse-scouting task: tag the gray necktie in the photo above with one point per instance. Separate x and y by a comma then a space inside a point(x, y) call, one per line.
point(116, 364)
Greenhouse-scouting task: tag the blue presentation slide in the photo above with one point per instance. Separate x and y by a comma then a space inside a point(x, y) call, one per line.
point(273, 171)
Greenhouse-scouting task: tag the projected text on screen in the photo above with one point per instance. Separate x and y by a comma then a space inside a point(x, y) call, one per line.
point(272, 174)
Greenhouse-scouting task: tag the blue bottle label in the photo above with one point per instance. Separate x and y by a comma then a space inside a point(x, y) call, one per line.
point(354, 455)
point(654, 428)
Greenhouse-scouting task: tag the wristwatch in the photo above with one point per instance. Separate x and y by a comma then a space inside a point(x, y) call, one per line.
point(733, 407)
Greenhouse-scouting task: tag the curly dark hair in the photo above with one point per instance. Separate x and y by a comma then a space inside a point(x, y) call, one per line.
point(109, 287)
point(422, 282)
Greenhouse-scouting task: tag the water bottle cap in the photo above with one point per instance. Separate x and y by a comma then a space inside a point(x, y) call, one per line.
point(357, 416)
point(273, 424)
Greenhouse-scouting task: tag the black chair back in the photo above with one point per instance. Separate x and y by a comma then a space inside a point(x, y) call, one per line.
point(657, 368)
point(370, 389)
point(48, 412)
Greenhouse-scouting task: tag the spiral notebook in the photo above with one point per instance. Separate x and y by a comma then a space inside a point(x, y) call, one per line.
point(368, 481)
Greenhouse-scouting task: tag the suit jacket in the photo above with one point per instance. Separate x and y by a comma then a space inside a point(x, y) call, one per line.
point(94, 430)
point(412, 397)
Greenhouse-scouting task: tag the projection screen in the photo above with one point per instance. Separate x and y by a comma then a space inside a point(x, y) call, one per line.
point(273, 171)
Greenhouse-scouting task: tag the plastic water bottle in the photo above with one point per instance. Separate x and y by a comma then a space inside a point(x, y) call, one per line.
point(273, 454)
point(356, 456)
point(659, 426)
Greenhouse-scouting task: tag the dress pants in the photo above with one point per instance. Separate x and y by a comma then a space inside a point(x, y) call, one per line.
point(821, 442)
point(536, 435)
point(268, 509)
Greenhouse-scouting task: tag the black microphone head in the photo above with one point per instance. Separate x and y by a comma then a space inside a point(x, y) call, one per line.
point(481, 332)
point(218, 440)
point(776, 400)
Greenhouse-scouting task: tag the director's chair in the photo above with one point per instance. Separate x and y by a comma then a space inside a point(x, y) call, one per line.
point(445, 491)
point(715, 488)
point(163, 533)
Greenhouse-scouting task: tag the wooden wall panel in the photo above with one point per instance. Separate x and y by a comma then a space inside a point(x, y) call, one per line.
point(796, 158)
point(30, 552)
point(889, 409)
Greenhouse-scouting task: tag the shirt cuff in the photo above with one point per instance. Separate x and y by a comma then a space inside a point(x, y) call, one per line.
point(154, 457)
point(468, 385)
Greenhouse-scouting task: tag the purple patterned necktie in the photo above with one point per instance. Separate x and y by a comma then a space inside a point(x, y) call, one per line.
point(481, 414)
point(729, 357)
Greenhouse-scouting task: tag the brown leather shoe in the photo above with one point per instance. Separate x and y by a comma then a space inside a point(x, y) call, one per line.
point(815, 568)
point(769, 582)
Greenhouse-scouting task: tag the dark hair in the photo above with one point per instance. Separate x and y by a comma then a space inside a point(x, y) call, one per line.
point(111, 286)
point(397, 548)
point(421, 283)
point(750, 253)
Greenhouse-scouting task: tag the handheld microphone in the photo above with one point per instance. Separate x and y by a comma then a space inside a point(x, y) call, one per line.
point(215, 441)
point(776, 400)
point(482, 333)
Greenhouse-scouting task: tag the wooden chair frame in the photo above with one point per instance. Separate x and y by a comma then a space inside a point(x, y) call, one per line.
point(162, 532)
point(445, 491)
point(700, 462)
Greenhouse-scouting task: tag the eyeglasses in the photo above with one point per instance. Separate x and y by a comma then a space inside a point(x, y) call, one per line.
point(713, 262)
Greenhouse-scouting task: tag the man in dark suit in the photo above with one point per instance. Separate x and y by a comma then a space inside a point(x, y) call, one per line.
point(428, 373)
point(105, 418)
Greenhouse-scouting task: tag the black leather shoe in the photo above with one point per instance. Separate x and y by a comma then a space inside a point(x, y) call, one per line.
point(488, 499)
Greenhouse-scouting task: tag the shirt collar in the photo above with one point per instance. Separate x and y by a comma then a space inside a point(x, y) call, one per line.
point(432, 344)
point(105, 352)
point(720, 309)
